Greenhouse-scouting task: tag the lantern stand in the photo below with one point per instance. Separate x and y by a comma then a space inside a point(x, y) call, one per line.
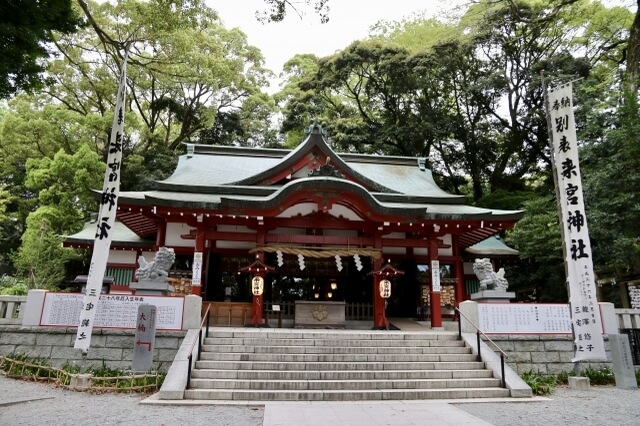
point(259, 271)
point(381, 281)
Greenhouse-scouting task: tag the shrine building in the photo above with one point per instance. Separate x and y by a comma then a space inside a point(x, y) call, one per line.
point(329, 226)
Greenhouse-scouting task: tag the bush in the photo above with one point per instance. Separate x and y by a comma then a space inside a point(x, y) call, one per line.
point(541, 384)
point(11, 286)
point(104, 379)
point(600, 376)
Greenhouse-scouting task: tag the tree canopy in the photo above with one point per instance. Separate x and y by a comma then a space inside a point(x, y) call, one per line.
point(463, 91)
point(26, 30)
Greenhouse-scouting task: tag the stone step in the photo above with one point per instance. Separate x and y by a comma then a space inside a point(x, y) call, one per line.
point(266, 333)
point(341, 375)
point(344, 395)
point(294, 349)
point(245, 341)
point(338, 365)
point(336, 358)
point(324, 366)
point(328, 385)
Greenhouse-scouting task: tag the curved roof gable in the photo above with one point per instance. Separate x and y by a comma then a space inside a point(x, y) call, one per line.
point(212, 169)
point(316, 145)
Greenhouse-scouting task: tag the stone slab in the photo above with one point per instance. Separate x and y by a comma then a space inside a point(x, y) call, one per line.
point(493, 296)
point(622, 361)
point(579, 383)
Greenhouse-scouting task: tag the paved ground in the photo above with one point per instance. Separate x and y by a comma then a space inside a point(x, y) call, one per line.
point(28, 403)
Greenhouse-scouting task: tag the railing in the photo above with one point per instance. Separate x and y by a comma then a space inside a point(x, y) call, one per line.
point(628, 318)
point(503, 355)
point(193, 345)
point(359, 311)
point(12, 309)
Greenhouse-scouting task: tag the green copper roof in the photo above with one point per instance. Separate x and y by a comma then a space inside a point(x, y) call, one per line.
point(493, 246)
point(122, 236)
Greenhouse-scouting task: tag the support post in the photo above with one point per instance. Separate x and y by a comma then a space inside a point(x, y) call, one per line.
point(435, 308)
point(198, 259)
point(379, 309)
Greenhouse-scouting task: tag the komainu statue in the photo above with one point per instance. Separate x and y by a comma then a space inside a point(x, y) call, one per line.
point(157, 269)
point(489, 280)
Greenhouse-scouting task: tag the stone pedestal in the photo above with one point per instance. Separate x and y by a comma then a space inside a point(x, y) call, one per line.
point(622, 362)
point(80, 381)
point(579, 383)
point(151, 288)
point(493, 296)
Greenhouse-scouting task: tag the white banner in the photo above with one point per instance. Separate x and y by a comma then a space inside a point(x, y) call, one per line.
point(435, 275)
point(585, 315)
point(106, 218)
point(196, 271)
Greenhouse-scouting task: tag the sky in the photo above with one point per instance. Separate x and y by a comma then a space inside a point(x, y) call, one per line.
point(349, 20)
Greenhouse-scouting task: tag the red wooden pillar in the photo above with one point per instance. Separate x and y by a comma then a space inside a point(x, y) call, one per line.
point(379, 309)
point(198, 251)
point(459, 270)
point(256, 307)
point(435, 308)
point(161, 236)
point(256, 319)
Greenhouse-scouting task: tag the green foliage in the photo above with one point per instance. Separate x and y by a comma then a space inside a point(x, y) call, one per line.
point(104, 378)
point(545, 384)
point(12, 286)
point(64, 184)
point(537, 236)
point(278, 9)
point(41, 259)
point(25, 29)
point(613, 206)
point(538, 239)
point(600, 376)
point(540, 384)
point(21, 365)
point(506, 200)
point(563, 378)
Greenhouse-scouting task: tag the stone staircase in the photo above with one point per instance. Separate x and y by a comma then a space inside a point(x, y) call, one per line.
point(337, 365)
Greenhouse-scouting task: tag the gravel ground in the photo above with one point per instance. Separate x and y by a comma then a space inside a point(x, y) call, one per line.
point(70, 408)
point(599, 406)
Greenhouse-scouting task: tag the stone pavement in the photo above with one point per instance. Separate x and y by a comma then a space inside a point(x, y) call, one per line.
point(357, 413)
point(394, 413)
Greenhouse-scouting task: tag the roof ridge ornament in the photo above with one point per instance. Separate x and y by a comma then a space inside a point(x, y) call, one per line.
point(326, 170)
point(315, 129)
point(422, 163)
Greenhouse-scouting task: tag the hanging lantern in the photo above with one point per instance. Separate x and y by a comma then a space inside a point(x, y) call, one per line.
point(385, 288)
point(257, 285)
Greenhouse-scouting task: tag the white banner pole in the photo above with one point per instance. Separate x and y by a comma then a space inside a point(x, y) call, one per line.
point(585, 314)
point(106, 218)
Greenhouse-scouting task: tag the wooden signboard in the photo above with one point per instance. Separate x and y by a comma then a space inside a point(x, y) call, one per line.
point(114, 311)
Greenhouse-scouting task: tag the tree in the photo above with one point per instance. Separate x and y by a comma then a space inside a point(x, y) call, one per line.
point(610, 196)
point(278, 10)
point(26, 30)
point(64, 184)
point(184, 69)
point(538, 239)
point(41, 258)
